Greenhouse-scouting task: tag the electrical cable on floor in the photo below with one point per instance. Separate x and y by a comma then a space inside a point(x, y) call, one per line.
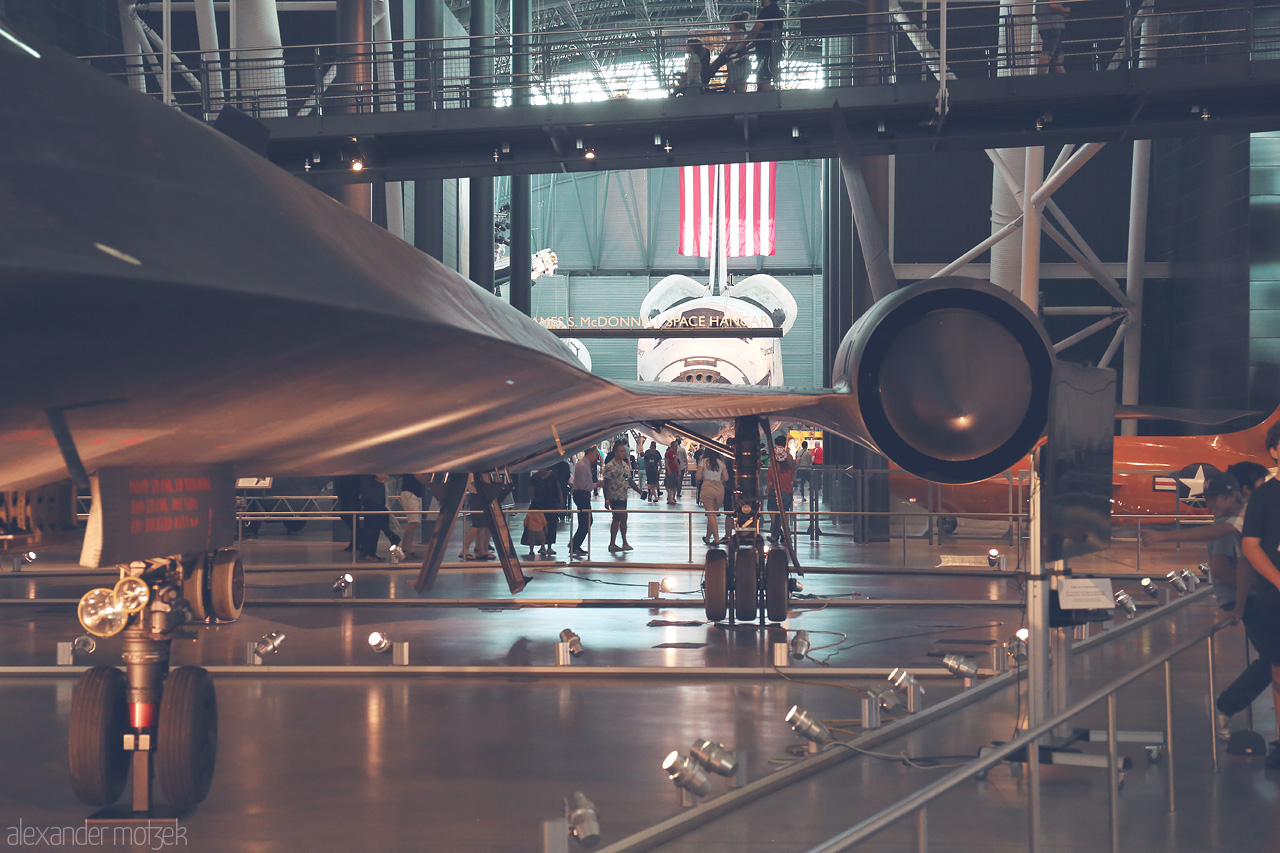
point(848, 687)
point(901, 758)
point(910, 636)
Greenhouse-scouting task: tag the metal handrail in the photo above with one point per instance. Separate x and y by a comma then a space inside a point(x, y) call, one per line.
point(921, 798)
point(435, 74)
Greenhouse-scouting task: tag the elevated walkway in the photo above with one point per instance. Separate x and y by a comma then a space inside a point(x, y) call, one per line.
point(612, 99)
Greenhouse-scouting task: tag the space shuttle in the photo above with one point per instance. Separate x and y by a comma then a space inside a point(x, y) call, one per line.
point(757, 302)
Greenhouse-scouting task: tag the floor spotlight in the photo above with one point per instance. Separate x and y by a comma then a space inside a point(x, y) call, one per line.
point(903, 681)
point(961, 665)
point(715, 757)
point(1125, 600)
point(573, 640)
point(1149, 587)
point(995, 559)
point(84, 644)
point(379, 642)
point(1175, 580)
point(687, 774)
point(1203, 568)
point(267, 644)
point(668, 584)
point(22, 559)
point(1189, 577)
point(800, 645)
point(804, 724)
point(344, 585)
point(1016, 648)
point(584, 820)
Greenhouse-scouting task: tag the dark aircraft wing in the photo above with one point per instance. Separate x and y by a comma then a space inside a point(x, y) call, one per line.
point(182, 301)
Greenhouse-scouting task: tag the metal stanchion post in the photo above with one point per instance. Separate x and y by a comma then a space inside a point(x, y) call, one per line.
point(1033, 795)
point(1213, 717)
point(354, 550)
point(1113, 774)
point(1168, 731)
point(922, 829)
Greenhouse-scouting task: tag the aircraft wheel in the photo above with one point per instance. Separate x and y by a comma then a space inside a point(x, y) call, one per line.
point(744, 581)
point(947, 524)
point(715, 584)
point(227, 585)
point(193, 588)
point(99, 719)
point(777, 595)
point(187, 736)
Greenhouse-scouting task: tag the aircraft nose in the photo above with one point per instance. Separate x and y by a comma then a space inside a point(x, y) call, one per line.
point(955, 383)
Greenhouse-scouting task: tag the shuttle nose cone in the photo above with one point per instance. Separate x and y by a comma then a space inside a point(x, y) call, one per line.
point(957, 382)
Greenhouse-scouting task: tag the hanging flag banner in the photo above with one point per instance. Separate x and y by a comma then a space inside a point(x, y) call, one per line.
point(747, 202)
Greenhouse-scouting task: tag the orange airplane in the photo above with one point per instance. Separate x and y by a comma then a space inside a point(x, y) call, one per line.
point(1154, 475)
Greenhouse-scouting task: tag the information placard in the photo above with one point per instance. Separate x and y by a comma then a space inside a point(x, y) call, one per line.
point(1085, 594)
point(139, 514)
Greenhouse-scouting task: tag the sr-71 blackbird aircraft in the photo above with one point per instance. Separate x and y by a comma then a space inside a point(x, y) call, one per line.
point(178, 310)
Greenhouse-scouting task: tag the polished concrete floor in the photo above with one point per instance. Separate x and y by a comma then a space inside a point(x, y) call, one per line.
point(477, 742)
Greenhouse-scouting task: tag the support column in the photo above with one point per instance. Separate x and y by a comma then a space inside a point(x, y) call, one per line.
point(521, 294)
point(1134, 273)
point(845, 295)
point(480, 217)
point(428, 193)
point(1031, 228)
point(351, 85)
point(1015, 45)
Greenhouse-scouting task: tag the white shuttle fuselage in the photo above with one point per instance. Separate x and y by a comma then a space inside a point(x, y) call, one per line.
point(757, 302)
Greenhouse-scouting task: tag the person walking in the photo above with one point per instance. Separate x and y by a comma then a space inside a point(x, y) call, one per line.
point(711, 476)
point(682, 458)
point(781, 475)
point(1051, 23)
point(544, 495)
point(413, 497)
point(671, 464)
point(374, 521)
point(618, 479)
point(652, 468)
point(584, 483)
point(804, 467)
point(765, 36)
point(1260, 590)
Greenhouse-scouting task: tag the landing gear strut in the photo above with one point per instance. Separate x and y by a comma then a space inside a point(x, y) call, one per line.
point(163, 724)
point(745, 580)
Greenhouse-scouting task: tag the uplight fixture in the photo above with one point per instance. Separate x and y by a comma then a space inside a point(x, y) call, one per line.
point(805, 725)
point(715, 757)
point(583, 819)
point(687, 773)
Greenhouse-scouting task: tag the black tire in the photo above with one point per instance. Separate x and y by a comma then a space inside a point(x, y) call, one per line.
point(193, 588)
point(99, 720)
point(715, 583)
point(947, 524)
point(187, 736)
point(777, 592)
point(227, 585)
point(746, 594)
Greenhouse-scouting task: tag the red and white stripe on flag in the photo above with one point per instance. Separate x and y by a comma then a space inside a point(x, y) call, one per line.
point(748, 208)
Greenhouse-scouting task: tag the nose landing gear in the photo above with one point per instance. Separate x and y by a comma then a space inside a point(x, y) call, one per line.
point(158, 722)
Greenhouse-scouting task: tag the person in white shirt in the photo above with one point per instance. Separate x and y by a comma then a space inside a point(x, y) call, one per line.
point(711, 476)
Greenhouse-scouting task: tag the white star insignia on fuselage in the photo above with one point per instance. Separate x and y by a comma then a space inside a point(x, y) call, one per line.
point(1195, 485)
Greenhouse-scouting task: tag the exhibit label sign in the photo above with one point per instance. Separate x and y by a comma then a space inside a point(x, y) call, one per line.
point(138, 514)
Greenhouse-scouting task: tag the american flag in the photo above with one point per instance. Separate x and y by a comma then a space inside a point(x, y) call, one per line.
point(748, 199)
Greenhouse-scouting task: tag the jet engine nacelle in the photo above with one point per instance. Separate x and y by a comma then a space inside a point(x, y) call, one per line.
point(950, 378)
